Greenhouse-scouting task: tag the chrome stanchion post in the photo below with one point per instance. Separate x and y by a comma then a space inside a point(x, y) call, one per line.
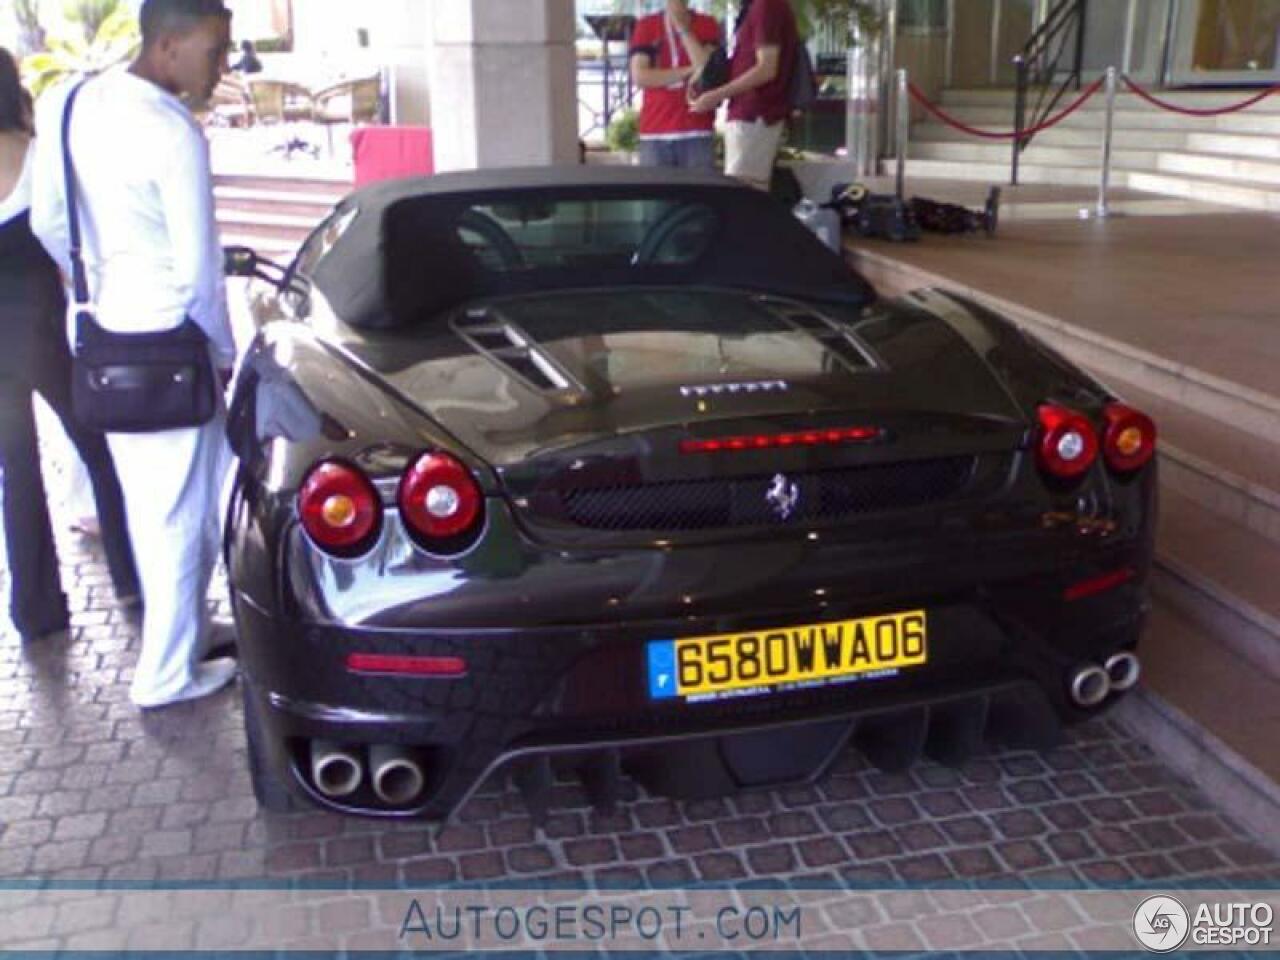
point(1019, 116)
point(904, 131)
point(1102, 210)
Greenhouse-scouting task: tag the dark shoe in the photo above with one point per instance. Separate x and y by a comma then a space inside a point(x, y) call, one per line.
point(46, 631)
point(219, 640)
point(46, 636)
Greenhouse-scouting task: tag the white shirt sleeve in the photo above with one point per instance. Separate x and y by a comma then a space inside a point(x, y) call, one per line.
point(185, 185)
point(48, 191)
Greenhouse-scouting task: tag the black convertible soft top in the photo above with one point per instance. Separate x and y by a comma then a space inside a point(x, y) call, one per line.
point(398, 256)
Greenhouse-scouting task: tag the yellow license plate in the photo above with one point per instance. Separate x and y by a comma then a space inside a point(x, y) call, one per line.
point(762, 661)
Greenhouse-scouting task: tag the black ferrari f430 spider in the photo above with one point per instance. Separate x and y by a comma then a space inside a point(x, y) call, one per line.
point(623, 471)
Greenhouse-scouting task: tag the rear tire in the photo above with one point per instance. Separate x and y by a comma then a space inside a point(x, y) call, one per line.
point(272, 795)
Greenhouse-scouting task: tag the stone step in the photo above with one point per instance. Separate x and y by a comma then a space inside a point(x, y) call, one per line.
point(1062, 136)
point(1247, 170)
point(1209, 190)
point(1247, 409)
point(1211, 715)
point(1222, 576)
point(1037, 154)
point(295, 203)
point(995, 172)
point(333, 188)
point(1231, 472)
point(1262, 146)
point(1000, 119)
point(1245, 122)
point(1125, 101)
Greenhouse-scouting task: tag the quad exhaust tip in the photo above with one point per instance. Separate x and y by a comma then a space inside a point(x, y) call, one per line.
point(335, 770)
point(397, 777)
point(1123, 670)
point(1090, 686)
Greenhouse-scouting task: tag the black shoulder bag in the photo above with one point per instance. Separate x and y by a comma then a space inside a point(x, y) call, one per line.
point(131, 382)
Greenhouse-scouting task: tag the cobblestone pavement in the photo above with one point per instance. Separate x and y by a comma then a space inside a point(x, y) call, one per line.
point(93, 789)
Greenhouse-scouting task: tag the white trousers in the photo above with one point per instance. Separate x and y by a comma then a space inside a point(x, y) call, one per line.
point(171, 484)
point(750, 149)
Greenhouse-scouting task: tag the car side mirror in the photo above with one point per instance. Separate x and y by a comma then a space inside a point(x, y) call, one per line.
point(239, 261)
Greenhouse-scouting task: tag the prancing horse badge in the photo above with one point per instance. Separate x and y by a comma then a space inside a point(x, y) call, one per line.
point(782, 496)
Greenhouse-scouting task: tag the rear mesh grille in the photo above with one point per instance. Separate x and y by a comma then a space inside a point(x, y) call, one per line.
point(745, 502)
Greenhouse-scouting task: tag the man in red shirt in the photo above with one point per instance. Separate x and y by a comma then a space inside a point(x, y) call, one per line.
point(766, 42)
point(666, 49)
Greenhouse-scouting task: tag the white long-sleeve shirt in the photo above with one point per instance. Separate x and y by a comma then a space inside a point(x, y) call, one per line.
point(145, 195)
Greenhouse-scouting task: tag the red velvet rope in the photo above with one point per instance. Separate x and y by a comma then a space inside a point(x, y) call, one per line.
point(1193, 111)
point(1057, 118)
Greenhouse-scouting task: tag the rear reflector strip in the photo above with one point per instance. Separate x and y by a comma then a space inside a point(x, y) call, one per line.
point(390, 664)
point(770, 441)
point(1096, 585)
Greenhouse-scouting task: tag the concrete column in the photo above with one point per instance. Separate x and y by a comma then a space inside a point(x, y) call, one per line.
point(502, 81)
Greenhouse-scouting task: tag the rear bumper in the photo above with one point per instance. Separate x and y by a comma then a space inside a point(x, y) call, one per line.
point(998, 669)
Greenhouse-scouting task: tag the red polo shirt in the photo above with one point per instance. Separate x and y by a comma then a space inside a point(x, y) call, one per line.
point(665, 111)
point(769, 23)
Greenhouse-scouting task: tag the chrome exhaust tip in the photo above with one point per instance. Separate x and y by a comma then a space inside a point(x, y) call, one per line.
point(397, 777)
point(1123, 670)
point(335, 769)
point(1090, 686)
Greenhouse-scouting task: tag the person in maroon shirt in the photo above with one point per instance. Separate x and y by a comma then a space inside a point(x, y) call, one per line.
point(666, 49)
point(765, 45)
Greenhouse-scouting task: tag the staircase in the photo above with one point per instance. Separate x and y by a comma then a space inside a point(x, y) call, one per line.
point(1233, 159)
point(1210, 700)
point(273, 215)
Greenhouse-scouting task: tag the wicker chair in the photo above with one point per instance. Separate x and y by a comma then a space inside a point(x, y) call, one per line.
point(278, 101)
point(349, 102)
point(230, 105)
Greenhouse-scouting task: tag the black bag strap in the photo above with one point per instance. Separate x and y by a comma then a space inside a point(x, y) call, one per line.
point(79, 277)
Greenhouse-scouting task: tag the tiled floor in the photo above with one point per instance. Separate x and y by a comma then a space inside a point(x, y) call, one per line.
point(92, 789)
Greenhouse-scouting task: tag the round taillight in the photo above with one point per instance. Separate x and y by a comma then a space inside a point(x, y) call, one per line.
point(1130, 438)
point(440, 502)
point(340, 509)
point(1067, 445)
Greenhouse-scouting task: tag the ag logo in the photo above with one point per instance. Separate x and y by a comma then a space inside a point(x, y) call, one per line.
point(1161, 924)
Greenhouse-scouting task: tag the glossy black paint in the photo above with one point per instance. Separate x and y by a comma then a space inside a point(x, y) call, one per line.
point(552, 617)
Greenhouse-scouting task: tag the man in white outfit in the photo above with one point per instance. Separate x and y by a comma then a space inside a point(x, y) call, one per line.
point(151, 248)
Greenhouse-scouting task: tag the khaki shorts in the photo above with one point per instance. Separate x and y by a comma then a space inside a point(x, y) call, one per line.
point(750, 149)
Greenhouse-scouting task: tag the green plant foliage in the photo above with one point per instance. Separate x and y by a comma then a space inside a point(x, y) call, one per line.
point(623, 134)
point(90, 14)
point(116, 39)
point(30, 32)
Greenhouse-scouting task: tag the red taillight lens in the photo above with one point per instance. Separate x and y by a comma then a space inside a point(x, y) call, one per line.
point(1067, 445)
point(440, 502)
point(406, 666)
point(1130, 438)
point(339, 507)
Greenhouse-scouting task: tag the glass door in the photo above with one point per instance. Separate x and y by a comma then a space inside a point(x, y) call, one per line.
point(1225, 42)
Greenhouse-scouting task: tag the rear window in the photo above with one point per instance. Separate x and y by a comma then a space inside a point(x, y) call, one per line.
point(535, 235)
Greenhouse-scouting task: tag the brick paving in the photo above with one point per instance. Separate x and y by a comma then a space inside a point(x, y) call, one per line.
point(92, 789)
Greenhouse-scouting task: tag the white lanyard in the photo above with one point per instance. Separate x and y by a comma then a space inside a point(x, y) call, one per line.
point(675, 51)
